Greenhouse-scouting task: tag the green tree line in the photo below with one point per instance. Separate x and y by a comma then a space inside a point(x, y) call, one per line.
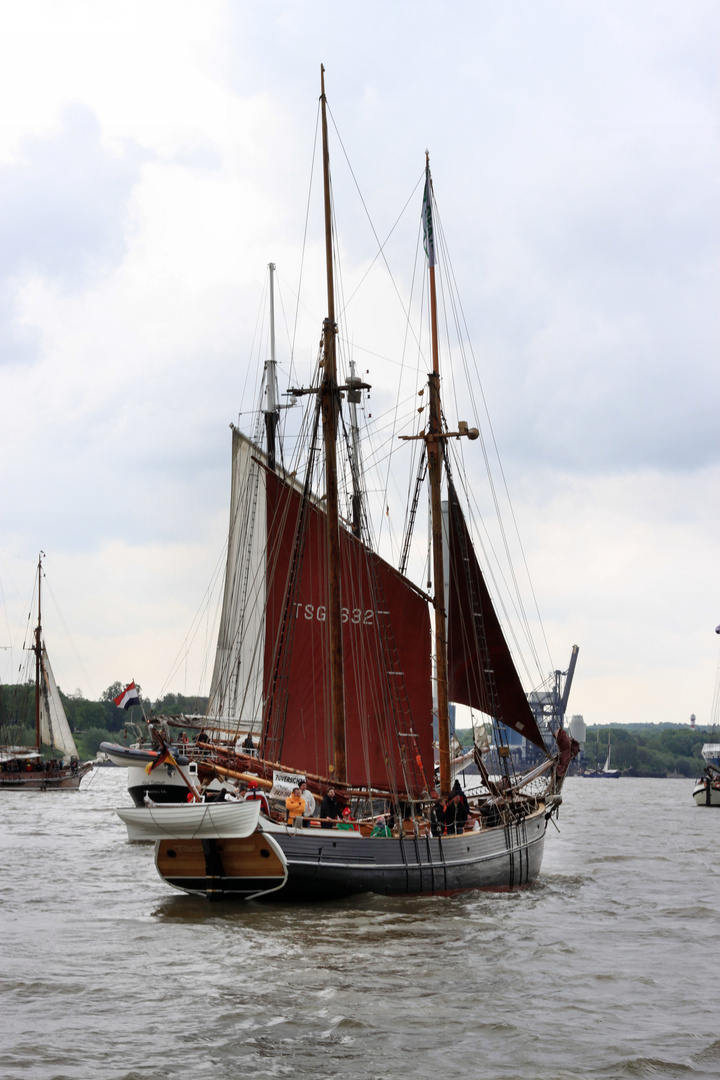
point(648, 749)
point(91, 722)
point(642, 749)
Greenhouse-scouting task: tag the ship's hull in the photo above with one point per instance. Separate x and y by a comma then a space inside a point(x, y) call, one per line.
point(164, 785)
point(318, 864)
point(707, 792)
point(57, 780)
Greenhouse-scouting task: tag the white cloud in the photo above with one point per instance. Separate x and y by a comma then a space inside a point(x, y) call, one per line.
point(156, 156)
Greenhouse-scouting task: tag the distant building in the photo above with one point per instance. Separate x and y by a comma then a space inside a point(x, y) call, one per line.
point(577, 729)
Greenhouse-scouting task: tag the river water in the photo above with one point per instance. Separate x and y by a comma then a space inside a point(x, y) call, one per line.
point(606, 968)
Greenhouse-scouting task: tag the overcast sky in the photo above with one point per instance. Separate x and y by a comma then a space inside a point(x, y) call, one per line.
point(154, 157)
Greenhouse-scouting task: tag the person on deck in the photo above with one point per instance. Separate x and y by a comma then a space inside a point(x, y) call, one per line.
point(330, 808)
point(309, 798)
point(248, 744)
point(295, 806)
point(347, 822)
point(457, 790)
point(380, 828)
point(437, 816)
point(456, 815)
point(254, 793)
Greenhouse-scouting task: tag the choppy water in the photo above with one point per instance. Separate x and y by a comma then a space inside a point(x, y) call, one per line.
point(606, 968)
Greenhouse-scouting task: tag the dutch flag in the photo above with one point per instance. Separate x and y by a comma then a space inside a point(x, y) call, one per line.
point(128, 697)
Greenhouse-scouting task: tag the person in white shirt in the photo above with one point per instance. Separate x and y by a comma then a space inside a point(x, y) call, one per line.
point(309, 803)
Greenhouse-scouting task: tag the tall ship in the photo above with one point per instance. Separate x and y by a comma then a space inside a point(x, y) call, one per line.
point(336, 671)
point(25, 766)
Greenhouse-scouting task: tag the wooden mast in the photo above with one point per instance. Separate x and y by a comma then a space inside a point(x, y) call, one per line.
point(435, 458)
point(330, 405)
point(38, 648)
point(271, 412)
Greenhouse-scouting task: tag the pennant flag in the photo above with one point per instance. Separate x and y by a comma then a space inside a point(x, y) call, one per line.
point(128, 697)
point(427, 221)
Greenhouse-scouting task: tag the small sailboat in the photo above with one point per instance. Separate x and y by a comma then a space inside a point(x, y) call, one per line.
point(607, 772)
point(328, 658)
point(25, 766)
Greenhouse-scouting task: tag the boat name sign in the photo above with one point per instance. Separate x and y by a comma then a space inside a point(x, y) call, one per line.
point(283, 784)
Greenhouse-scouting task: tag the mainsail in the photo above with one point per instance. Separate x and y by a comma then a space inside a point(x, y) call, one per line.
point(386, 649)
point(237, 682)
point(481, 670)
point(54, 727)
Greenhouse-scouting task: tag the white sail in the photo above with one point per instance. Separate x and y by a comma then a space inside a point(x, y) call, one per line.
point(54, 728)
point(237, 682)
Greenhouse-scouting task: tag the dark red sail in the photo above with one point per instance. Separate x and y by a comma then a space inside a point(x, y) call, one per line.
point(481, 670)
point(386, 650)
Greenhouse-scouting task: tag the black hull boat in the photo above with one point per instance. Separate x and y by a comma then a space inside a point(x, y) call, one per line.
point(164, 785)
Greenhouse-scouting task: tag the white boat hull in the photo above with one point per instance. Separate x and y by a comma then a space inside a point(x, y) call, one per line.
point(191, 821)
point(707, 792)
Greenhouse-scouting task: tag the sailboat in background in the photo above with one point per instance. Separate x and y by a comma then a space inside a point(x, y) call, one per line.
point(25, 766)
point(328, 665)
point(606, 773)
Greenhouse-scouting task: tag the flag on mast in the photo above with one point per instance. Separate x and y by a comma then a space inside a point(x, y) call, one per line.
point(164, 758)
point(429, 234)
point(128, 697)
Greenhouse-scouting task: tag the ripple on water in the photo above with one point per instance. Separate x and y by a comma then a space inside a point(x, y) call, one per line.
point(597, 971)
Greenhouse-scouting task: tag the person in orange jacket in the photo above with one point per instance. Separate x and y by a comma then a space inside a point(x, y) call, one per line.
point(295, 806)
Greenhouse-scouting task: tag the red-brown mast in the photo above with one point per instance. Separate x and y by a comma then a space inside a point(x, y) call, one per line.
point(435, 457)
point(434, 438)
point(330, 405)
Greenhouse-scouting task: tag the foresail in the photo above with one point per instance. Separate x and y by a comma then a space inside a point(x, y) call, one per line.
point(54, 728)
point(386, 651)
point(481, 670)
point(237, 682)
